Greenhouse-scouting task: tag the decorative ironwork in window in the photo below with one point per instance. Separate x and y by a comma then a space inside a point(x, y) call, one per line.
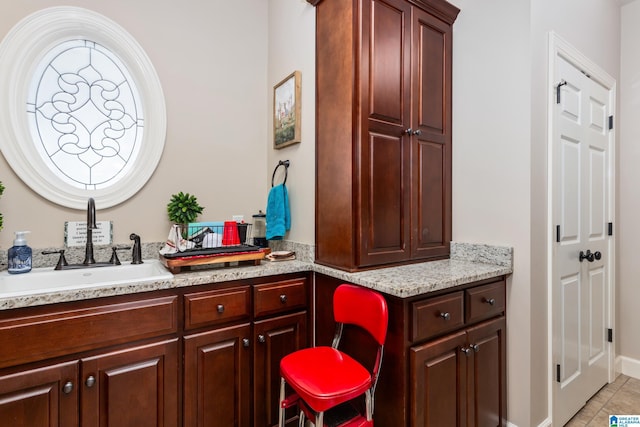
point(85, 115)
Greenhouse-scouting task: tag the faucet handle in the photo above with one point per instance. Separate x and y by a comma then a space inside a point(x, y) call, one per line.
point(62, 261)
point(114, 254)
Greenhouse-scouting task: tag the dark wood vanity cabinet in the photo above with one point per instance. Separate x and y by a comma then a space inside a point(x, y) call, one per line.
point(383, 131)
point(197, 356)
point(445, 355)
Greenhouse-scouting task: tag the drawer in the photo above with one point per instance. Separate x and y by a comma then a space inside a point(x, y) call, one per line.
point(485, 301)
point(434, 316)
point(214, 307)
point(278, 297)
point(43, 336)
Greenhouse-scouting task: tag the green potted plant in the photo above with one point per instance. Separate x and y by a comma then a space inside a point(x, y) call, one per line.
point(182, 209)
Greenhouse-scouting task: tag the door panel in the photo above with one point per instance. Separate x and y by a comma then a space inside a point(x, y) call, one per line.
point(581, 209)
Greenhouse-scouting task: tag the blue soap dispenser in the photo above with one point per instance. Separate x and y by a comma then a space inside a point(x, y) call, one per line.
point(20, 254)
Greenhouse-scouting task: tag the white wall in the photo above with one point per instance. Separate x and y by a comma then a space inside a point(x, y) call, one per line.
point(491, 164)
point(499, 157)
point(628, 227)
point(211, 57)
point(292, 41)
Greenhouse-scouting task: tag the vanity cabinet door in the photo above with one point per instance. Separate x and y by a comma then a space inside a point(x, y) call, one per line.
point(45, 397)
point(134, 387)
point(217, 378)
point(274, 338)
point(438, 382)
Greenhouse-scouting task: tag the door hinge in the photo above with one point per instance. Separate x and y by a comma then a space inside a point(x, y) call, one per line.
point(558, 233)
point(610, 122)
point(558, 373)
point(610, 335)
point(562, 83)
point(610, 229)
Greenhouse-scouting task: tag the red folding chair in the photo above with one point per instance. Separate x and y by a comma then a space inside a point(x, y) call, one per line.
point(324, 379)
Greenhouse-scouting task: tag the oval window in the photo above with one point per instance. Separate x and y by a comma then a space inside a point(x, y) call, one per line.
point(82, 116)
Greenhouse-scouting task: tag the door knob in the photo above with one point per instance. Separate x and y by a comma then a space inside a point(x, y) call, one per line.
point(597, 255)
point(588, 256)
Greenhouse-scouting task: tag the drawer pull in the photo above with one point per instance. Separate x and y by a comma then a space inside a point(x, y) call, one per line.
point(445, 315)
point(475, 347)
point(67, 387)
point(466, 350)
point(220, 308)
point(283, 298)
point(245, 342)
point(261, 338)
point(90, 381)
point(490, 301)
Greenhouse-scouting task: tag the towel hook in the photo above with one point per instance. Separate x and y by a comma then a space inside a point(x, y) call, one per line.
point(284, 163)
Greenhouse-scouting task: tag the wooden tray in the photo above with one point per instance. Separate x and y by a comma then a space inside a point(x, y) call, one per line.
point(176, 264)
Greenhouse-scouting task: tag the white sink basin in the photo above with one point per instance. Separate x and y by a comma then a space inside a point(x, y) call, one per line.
point(42, 280)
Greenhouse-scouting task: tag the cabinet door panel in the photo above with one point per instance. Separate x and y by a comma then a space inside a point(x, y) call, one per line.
point(217, 378)
point(274, 339)
point(35, 398)
point(135, 387)
point(487, 375)
point(438, 382)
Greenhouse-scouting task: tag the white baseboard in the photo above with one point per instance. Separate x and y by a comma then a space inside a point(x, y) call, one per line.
point(628, 366)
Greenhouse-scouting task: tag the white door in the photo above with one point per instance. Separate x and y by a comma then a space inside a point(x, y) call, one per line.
point(581, 261)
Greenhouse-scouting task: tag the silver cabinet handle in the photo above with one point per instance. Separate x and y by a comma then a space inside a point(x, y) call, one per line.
point(220, 308)
point(283, 298)
point(90, 381)
point(490, 301)
point(261, 338)
point(465, 350)
point(67, 387)
point(475, 347)
point(445, 315)
point(408, 131)
point(245, 342)
point(417, 132)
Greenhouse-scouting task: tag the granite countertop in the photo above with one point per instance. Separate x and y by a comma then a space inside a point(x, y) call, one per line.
point(468, 263)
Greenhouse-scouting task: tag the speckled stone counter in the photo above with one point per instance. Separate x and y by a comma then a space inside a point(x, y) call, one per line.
point(468, 263)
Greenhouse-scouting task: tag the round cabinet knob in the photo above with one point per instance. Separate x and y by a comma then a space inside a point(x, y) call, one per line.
point(67, 387)
point(220, 308)
point(417, 132)
point(445, 315)
point(465, 350)
point(245, 342)
point(408, 131)
point(597, 255)
point(90, 381)
point(475, 347)
point(283, 298)
point(261, 338)
point(490, 301)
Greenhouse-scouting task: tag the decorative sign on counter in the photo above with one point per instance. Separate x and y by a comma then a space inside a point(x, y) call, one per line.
point(75, 233)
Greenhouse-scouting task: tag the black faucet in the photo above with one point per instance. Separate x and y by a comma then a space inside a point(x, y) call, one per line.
point(91, 225)
point(136, 253)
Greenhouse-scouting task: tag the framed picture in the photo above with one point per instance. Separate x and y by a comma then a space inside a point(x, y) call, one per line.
point(286, 111)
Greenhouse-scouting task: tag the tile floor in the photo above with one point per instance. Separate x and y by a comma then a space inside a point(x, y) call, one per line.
point(621, 397)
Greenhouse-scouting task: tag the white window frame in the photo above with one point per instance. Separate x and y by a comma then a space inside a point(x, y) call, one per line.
point(20, 53)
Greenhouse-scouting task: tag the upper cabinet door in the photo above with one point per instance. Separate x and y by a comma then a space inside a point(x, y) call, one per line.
point(385, 146)
point(431, 143)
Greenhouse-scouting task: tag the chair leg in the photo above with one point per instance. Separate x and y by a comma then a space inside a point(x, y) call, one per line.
point(320, 419)
point(301, 420)
point(281, 411)
point(369, 405)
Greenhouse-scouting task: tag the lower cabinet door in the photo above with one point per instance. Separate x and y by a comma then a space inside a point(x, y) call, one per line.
point(438, 382)
point(274, 338)
point(487, 374)
point(133, 387)
point(45, 397)
point(217, 378)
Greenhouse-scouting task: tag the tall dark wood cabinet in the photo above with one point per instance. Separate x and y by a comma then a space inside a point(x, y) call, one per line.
point(383, 131)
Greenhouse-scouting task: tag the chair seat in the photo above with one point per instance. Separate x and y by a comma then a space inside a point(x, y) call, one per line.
point(324, 377)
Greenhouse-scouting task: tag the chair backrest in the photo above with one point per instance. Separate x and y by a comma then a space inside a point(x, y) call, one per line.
point(362, 307)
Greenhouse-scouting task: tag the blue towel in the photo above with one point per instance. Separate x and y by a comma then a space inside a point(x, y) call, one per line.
point(278, 214)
